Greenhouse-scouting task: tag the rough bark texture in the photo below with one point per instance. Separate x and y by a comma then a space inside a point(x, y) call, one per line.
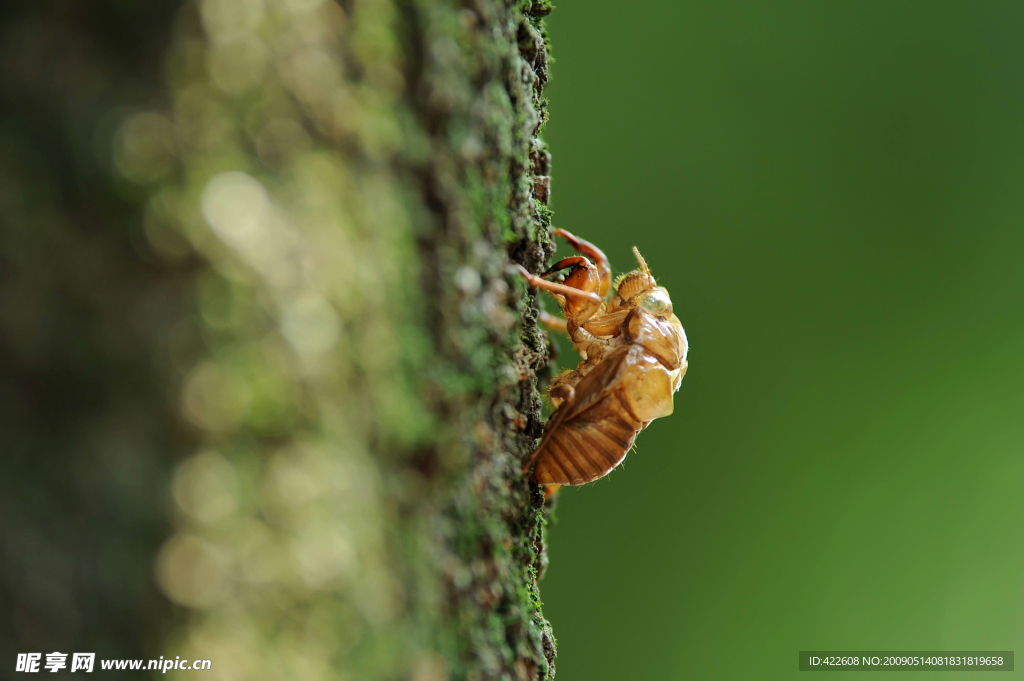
point(268, 375)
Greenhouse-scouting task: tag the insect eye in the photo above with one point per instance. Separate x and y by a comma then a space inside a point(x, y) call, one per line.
point(657, 303)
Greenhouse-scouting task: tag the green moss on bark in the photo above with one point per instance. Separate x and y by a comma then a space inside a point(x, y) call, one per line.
point(272, 242)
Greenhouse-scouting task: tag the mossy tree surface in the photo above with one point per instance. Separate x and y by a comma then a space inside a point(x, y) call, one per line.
point(262, 322)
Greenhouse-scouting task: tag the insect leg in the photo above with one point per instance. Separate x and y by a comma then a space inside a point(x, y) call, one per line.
point(591, 301)
point(568, 262)
point(563, 392)
point(600, 259)
point(552, 322)
point(607, 324)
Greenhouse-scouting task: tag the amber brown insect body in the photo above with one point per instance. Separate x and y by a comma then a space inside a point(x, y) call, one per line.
point(634, 351)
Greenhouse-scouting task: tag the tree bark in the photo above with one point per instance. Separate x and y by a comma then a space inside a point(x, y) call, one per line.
point(269, 375)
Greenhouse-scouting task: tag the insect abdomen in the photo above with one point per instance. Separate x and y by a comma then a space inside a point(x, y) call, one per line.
point(588, 446)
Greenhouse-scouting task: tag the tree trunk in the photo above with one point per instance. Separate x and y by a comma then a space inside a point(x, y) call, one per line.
point(268, 375)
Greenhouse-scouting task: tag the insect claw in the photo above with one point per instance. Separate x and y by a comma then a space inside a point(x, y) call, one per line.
point(594, 253)
point(567, 262)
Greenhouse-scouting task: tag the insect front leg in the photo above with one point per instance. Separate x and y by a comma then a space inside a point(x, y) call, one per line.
point(594, 253)
point(583, 304)
point(606, 324)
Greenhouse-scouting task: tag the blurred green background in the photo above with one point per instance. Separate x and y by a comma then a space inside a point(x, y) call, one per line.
point(832, 192)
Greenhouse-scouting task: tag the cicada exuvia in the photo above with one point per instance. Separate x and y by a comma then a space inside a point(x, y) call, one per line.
point(634, 358)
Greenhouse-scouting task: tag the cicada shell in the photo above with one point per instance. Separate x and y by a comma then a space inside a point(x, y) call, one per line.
point(635, 358)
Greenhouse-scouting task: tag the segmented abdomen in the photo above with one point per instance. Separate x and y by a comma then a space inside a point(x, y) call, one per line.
point(589, 445)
